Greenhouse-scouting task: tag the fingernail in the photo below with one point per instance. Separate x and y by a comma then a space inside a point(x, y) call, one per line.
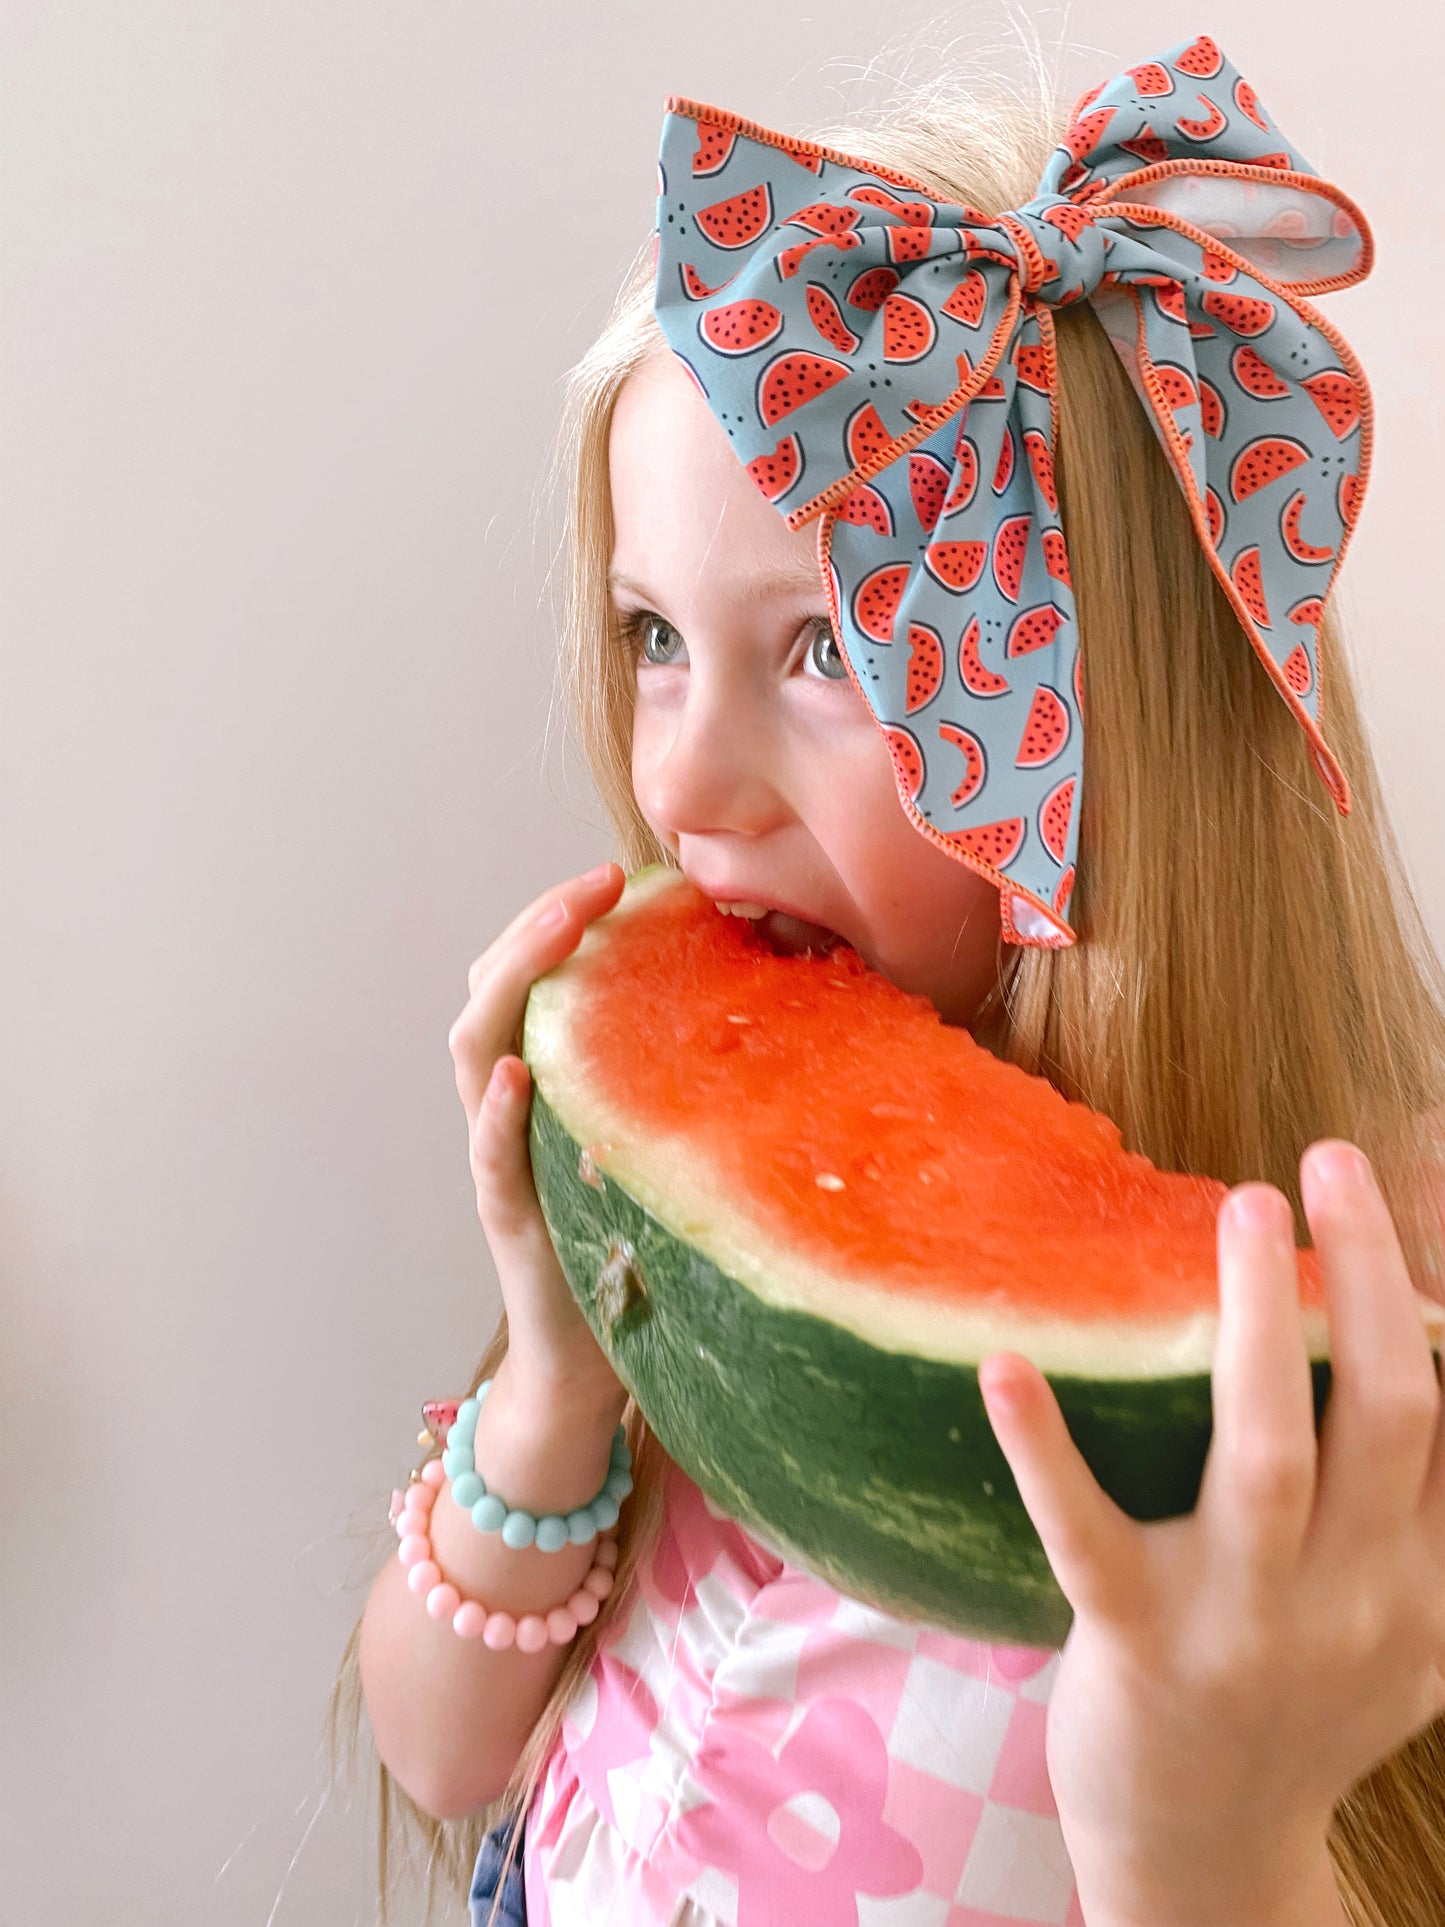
point(1257, 1207)
point(500, 1086)
point(554, 918)
point(596, 876)
point(1340, 1163)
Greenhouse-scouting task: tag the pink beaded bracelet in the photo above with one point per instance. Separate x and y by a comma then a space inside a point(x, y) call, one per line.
point(469, 1617)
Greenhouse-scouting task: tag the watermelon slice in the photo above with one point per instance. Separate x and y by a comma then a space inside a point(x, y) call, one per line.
point(798, 1210)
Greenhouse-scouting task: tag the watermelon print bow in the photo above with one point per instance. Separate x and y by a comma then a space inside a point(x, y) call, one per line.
point(885, 361)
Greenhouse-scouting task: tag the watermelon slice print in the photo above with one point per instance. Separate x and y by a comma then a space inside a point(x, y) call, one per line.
point(790, 380)
point(777, 473)
point(1046, 731)
point(739, 222)
point(907, 758)
point(865, 508)
point(925, 666)
point(1034, 629)
point(975, 677)
point(740, 327)
point(1263, 461)
point(975, 762)
point(993, 843)
point(876, 600)
point(1010, 545)
point(1054, 817)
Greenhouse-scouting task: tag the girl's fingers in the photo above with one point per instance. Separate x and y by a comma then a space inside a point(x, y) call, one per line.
point(548, 931)
point(1259, 1473)
point(579, 889)
point(1382, 1418)
point(1095, 1549)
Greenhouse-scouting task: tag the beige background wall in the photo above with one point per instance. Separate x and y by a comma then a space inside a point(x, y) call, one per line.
point(287, 294)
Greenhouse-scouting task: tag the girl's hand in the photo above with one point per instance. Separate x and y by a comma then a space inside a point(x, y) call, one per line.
point(548, 1338)
point(1231, 1673)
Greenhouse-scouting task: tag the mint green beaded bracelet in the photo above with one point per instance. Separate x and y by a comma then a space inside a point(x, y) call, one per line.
point(517, 1526)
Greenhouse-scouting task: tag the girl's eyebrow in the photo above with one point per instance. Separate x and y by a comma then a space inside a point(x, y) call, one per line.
point(760, 588)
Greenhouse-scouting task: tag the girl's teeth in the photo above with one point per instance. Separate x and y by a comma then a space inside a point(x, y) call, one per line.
point(752, 910)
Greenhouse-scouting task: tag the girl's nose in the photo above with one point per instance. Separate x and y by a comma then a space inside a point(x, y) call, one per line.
point(707, 763)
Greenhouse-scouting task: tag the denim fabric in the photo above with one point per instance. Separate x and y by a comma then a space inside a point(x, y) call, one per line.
point(487, 1873)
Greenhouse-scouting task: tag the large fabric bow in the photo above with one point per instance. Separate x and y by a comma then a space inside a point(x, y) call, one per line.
point(885, 361)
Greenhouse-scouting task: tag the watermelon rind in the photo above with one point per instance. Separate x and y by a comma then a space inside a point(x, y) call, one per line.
point(840, 1423)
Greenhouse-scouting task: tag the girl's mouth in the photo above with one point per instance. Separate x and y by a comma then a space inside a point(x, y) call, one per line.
point(790, 936)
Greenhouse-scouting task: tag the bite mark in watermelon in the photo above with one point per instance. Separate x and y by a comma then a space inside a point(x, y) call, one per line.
point(865, 508)
point(1294, 541)
point(928, 484)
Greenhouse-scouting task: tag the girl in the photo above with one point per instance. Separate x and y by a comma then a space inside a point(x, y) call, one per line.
point(1244, 1723)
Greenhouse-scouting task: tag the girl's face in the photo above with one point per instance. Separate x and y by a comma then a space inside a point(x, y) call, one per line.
point(754, 760)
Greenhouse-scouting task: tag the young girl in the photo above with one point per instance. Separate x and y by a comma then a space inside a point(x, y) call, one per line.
point(1244, 1723)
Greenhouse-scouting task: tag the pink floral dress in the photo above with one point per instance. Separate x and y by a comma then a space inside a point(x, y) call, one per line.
point(754, 1749)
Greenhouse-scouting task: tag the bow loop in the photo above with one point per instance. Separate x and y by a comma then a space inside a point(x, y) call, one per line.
point(883, 360)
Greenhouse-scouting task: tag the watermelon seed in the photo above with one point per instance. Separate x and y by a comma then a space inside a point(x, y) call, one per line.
point(925, 1177)
point(826, 1181)
point(988, 1487)
point(734, 1017)
point(954, 1434)
point(587, 1169)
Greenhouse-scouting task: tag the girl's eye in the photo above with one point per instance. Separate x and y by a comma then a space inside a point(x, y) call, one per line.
point(655, 641)
point(824, 655)
point(638, 629)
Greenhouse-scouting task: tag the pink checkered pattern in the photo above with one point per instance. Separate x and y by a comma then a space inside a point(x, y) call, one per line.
point(753, 1749)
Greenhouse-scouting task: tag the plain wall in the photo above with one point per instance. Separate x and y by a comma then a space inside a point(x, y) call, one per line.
point(288, 293)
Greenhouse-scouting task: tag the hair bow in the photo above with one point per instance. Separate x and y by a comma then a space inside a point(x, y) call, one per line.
point(885, 361)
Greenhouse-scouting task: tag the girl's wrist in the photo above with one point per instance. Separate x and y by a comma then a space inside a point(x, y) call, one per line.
point(1279, 1882)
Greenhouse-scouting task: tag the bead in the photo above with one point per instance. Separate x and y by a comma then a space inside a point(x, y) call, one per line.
point(531, 1633)
point(607, 1554)
point(443, 1600)
point(416, 1545)
point(500, 1632)
point(434, 1473)
point(519, 1529)
point(483, 1389)
point(621, 1453)
point(581, 1526)
point(454, 1463)
point(469, 1619)
point(467, 1412)
point(467, 1490)
point(488, 1514)
point(598, 1583)
point(551, 1532)
point(584, 1606)
point(561, 1626)
point(618, 1485)
point(425, 1574)
point(604, 1510)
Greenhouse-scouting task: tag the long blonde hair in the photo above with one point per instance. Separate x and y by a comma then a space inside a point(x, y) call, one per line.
point(1252, 972)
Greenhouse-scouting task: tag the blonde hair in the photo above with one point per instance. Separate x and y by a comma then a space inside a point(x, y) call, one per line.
point(1252, 972)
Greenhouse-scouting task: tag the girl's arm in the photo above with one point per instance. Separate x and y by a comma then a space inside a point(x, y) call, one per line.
point(449, 1716)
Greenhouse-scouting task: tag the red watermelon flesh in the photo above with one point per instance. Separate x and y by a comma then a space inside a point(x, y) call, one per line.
point(793, 379)
point(981, 1158)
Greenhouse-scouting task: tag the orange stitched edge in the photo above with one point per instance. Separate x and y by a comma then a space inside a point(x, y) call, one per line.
point(1330, 770)
point(793, 144)
point(1067, 936)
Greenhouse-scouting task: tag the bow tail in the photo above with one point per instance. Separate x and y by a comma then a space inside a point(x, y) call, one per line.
point(1192, 372)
